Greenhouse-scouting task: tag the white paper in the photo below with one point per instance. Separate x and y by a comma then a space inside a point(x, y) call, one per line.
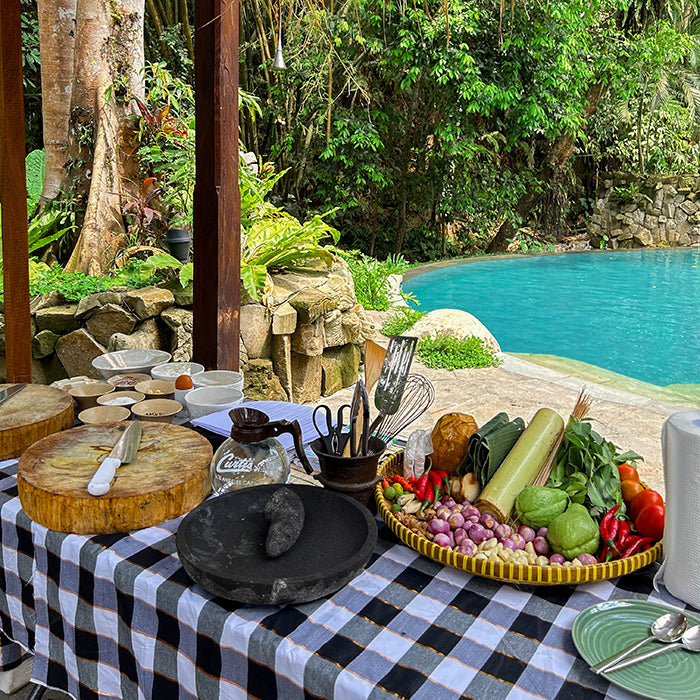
point(220, 422)
point(680, 571)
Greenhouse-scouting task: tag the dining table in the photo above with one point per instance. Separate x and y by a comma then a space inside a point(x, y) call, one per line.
point(116, 616)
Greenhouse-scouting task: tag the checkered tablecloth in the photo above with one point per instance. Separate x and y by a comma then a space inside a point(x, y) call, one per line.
point(115, 616)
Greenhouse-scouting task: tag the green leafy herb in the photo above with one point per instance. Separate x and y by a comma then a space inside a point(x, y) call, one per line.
point(586, 468)
point(447, 352)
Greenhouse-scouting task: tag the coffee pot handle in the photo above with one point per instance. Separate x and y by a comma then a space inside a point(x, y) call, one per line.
point(294, 429)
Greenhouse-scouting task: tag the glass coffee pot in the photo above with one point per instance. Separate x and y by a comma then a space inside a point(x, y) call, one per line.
point(253, 455)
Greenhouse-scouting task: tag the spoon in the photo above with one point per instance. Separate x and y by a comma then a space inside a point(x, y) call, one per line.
point(689, 641)
point(666, 628)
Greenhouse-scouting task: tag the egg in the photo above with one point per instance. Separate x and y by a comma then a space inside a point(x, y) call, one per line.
point(184, 381)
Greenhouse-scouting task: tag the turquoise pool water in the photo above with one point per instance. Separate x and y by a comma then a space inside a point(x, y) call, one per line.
point(633, 312)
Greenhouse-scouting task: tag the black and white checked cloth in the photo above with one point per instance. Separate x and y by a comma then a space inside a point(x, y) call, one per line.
point(115, 616)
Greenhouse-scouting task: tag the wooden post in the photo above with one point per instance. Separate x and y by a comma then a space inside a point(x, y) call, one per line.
point(13, 195)
point(217, 205)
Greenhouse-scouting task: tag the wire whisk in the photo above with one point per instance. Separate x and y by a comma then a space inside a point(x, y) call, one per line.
point(418, 396)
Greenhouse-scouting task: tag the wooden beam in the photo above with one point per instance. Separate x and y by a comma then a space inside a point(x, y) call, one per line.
point(13, 195)
point(217, 205)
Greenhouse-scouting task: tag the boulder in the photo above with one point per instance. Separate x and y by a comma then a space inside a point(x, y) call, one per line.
point(284, 319)
point(308, 338)
point(282, 362)
point(59, 319)
point(148, 335)
point(261, 383)
point(110, 319)
point(43, 301)
point(89, 304)
point(306, 377)
point(256, 331)
point(43, 343)
point(183, 296)
point(149, 301)
point(454, 322)
point(76, 351)
point(179, 321)
point(339, 368)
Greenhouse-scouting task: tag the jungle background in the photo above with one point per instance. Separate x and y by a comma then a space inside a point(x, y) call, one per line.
point(415, 128)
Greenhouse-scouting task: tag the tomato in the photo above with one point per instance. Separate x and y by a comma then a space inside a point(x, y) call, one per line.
point(648, 497)
point(630, 489)
point(650, 521)
point(184, 381)
point(627, 472)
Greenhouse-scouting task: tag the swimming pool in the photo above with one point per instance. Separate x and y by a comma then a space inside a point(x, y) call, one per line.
point(633, 312)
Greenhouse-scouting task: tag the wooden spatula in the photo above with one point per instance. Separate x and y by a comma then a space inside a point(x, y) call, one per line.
point(374, 358)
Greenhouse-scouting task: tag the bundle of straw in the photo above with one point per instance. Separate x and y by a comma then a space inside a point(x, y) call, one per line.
point(583, 405)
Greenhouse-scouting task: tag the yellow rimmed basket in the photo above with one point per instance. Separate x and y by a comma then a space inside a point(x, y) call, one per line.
point(501, 571)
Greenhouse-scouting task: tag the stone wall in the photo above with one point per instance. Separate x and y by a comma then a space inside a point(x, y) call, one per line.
point(636, 212)
point(304, 341)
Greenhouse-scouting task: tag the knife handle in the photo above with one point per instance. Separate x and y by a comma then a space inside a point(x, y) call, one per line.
point(102, 478)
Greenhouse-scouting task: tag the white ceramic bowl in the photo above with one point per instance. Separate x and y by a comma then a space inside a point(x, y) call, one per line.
point(218, 377)
point(170, 371)
point(128, 361)
point(210, 399)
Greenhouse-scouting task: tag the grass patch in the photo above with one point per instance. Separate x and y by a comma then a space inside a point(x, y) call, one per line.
point(448, 352)
point(400, 320)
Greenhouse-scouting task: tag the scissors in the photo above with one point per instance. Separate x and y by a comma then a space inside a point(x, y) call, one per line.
point(331, 434)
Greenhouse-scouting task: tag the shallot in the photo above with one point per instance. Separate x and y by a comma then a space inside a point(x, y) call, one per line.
point(455, 520)
point(527, 533)
point(557, 559)
point(502, 531)
point(438, 526)
point(541, 545)
point(442, 540)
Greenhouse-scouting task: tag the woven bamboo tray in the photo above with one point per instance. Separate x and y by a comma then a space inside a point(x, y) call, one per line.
point(501, 571)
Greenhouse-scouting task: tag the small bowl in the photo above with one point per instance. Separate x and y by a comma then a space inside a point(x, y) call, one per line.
point(87, 393)
point(129, 361)
point(128, 382)
point(218, 377)
point(157, 389)
point(211, 399)
point(121, 398)
point(104, 414)
point(157, 410)
point(172, 370)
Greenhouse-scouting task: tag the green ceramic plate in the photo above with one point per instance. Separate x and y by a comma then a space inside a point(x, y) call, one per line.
point(605, 628)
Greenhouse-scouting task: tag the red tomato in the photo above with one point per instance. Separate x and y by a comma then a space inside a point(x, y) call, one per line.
point(648, 497)
point(650, 521)
point(627, 472)
point(630, 489)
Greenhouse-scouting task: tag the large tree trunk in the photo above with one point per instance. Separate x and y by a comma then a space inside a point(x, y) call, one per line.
point(557, 156)
point(109, 52)
point(57, 44)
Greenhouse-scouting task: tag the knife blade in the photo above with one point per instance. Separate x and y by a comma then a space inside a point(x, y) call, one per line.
point(123, 452)
point(11, 391)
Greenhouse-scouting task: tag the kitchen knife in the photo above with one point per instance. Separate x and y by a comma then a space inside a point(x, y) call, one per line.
point(123, 452)
point(362, 425)
point(11, 391)
point(351, 443)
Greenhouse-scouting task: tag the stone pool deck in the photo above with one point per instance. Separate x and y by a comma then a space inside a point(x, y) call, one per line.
point(518, 387)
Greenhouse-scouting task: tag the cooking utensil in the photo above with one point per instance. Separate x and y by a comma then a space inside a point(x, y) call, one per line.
point(336, 541)
point(11, 391)
point(418, 396)
point(374, 359)
point(666, 628)
point(392, 378)
point(332, 435)
point(359, 419)
point(123, 452)
point(689, 641)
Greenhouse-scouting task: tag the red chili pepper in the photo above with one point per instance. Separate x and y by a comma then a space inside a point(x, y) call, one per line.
point(398, 479)
point(430, 491)
point(607, 554)
point(606, 522)
point(613, 529)
point(441, 473)
point(385, 483)
point(422, 485)
point(635, 545)
point(623, 533)
point(435, 478)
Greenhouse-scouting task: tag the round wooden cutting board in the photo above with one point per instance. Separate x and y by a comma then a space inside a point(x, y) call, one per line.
point(31, 414)
point(169, 477)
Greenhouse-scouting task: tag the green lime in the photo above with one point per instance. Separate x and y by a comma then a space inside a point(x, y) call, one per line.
point(390, 493)
point(399, 489)
point(396, 508)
